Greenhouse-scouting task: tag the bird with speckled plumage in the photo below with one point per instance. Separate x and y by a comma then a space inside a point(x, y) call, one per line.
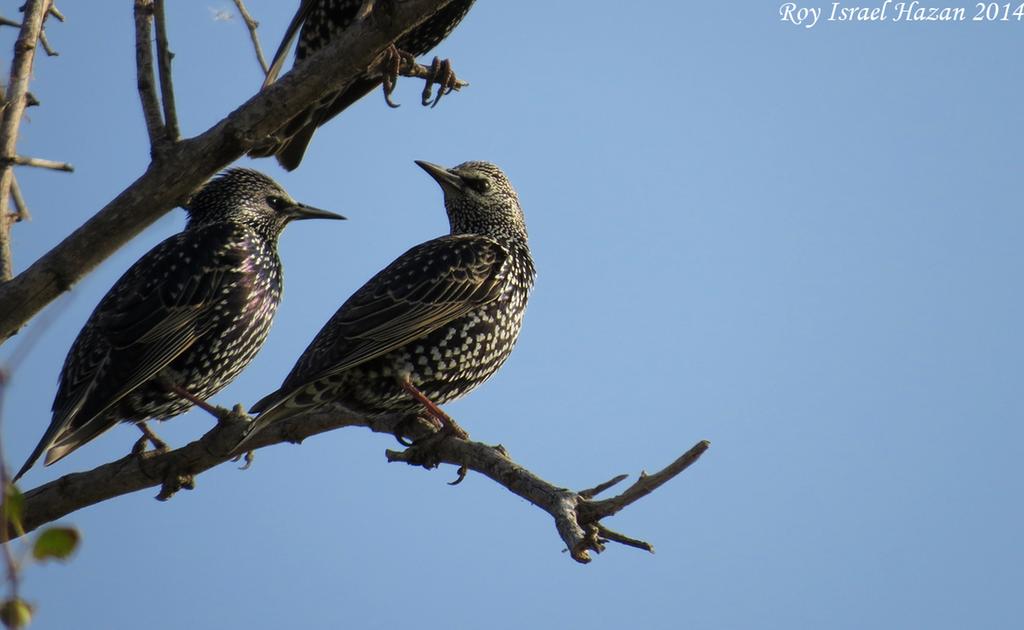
point(183, 321)
point(322, 21)
point(442, 318)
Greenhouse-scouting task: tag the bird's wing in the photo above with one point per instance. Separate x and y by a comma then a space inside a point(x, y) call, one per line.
point(153, 314)
point(425, 288)
point(286, 42)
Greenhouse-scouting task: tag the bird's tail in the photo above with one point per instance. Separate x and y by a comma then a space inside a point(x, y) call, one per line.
point(36, 452)
point(271, 408)
point(294, 138)
point(289, 154)
point(59, 442)
point(289, 149)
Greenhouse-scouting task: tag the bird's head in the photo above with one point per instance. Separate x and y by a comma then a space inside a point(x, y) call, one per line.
point(241, 195)
point(479, 199)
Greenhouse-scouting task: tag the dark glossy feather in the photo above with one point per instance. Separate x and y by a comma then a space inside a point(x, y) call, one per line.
point(429, 286)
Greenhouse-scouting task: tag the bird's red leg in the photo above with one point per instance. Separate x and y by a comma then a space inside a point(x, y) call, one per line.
point(448, 425)
point(219, 413)
point(148, 436)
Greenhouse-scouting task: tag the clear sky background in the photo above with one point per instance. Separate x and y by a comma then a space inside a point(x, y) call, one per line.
point(801, 244)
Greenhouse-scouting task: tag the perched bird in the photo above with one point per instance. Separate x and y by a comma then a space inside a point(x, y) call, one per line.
point(321, 21)
point(432, 325)
point(183, 321)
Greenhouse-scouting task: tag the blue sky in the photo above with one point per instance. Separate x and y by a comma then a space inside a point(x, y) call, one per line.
point(800, 244)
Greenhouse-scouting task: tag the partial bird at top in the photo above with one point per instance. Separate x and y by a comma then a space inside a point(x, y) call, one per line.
point(323, 20)
point(183, 321)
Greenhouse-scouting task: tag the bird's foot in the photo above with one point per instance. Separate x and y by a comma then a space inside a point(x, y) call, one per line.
point(249, 457)
point(413, 427)
point(174, 481)
point(220, 413)
point(441, 75)
point(171, 480)
point(391, 65)
point(148, 436)
point(445, 423)
point(428, 453)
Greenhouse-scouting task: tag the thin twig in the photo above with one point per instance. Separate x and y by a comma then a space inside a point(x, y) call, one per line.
point(45, 43)
point(163, 61)
point(590, 493)
point(21, 160)
point(144, 73)
point(17, 87)
point(55, 12)
point(622, 539)
point(646, 484)
point(19, 202)
point(252, 25)
point(8, 22)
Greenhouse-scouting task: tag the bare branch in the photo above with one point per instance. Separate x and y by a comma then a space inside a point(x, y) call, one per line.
point(14, 108)
point(21, 160)
point(163, 60)
point(576, 517)
point(45, 43)
point(645, 485)
point(252, 25)
point(171, 470)
point(590, 493)
point(189, 163)
point(8, 22)
point(55, 12)
point(144, 73)
point(19, 203)
point(607, 534)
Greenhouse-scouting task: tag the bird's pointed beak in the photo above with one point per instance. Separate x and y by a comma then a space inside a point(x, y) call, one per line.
point(447, 179)
point(301, 211)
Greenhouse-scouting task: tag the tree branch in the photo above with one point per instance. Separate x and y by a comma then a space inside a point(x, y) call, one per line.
point(14, 107)
point(22, 213)
point(145, 77)
point(251, 24)
point(577, 516)
point(21, 160)
point(189, 163)
point(163, 61)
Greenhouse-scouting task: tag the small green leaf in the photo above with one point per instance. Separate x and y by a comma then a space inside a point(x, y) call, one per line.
point(13, 508)
point(15, 613)
point(55, 543)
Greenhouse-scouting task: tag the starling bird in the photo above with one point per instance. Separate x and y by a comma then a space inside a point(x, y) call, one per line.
point(431, 326)
point(321, 21)
point(183, 321)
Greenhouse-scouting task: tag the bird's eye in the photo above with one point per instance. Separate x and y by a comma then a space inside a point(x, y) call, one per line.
point(277, 203)
point(480, 185)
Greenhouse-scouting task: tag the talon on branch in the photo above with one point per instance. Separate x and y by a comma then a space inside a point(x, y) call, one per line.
point(394, 63)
